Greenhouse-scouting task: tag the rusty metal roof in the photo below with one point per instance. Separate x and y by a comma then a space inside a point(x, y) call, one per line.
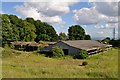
point(25, 43)
point(50, 43)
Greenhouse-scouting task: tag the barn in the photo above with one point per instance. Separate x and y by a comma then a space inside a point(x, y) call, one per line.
point(27, 46)
point(72, 47)
point(30, 46)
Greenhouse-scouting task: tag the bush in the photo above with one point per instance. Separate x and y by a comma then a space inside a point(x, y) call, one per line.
point(21, 49)
point(83, 54)
point(57, 51)
point(84, 63)
point(6, 45)
point(12, 46)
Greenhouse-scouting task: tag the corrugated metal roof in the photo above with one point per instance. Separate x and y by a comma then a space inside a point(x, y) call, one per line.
point(84, 44)
point(50, 43)
point(25, 43)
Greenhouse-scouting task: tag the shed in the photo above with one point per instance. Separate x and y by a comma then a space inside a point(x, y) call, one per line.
point(27, 46)
point(73, 47)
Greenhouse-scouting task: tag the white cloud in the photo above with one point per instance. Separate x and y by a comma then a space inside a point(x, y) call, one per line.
point(52, 1)
point(101, 32)
point(54, 19)
point(51, 8)
point(109, 25)
point(112, 20)
point(50, 12)
point(107, 8)
point(104, 32)
point(87, 16)
point(99, 12)
point(103, 0)
point(101, 15)
point(26, 11)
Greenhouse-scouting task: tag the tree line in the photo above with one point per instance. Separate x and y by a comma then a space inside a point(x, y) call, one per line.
point(17, 29)
point(113, 42)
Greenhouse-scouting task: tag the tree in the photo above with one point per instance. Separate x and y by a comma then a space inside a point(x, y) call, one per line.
point(16, 29)
point(27, 31)
point(10, 28)
point(76, 32)
point(50, 31)
point(0, 30)
point(6, 29)
point(30, 20)
point(106, 40)
point(115, 43)
point(44, 28)
point(15, 33)
point(87, 37)
point(57, 51)
point(14, 19)
point(62, 36)
point(44, 37)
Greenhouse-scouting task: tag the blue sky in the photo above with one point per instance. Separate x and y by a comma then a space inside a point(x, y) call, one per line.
point(92, 17)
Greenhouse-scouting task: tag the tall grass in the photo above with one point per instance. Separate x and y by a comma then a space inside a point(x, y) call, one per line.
point(31, 65)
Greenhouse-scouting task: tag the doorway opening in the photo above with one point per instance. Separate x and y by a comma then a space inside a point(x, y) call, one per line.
point(65, 51)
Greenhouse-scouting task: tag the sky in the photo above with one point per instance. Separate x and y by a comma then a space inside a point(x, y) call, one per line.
point(97, 18)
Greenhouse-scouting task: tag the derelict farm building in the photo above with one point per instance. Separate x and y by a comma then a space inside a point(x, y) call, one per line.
point(74, 46)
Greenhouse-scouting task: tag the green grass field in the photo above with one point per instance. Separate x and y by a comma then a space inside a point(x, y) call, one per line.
point(18, 64)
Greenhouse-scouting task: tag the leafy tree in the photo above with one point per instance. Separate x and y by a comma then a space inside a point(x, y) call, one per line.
point(0, 30)
point(14, 19)
point(115, 43)
point(30, 20)
point(10, 28)
point(6, 29)
point(27, 31)
point(15, 29)
point(87, 37)
point(15, 33)
point(62, 36)
point(44, 37)
point(40, 29)
point(57, 51)
point(44, 28)
point(76, 32)
point(51, 32)
point(106, 40)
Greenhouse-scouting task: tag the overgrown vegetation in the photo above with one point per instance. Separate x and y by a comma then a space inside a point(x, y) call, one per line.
point(63, 36)
point(57, 52)
point(32, 65)
point(115, 43)
point(83, 54)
